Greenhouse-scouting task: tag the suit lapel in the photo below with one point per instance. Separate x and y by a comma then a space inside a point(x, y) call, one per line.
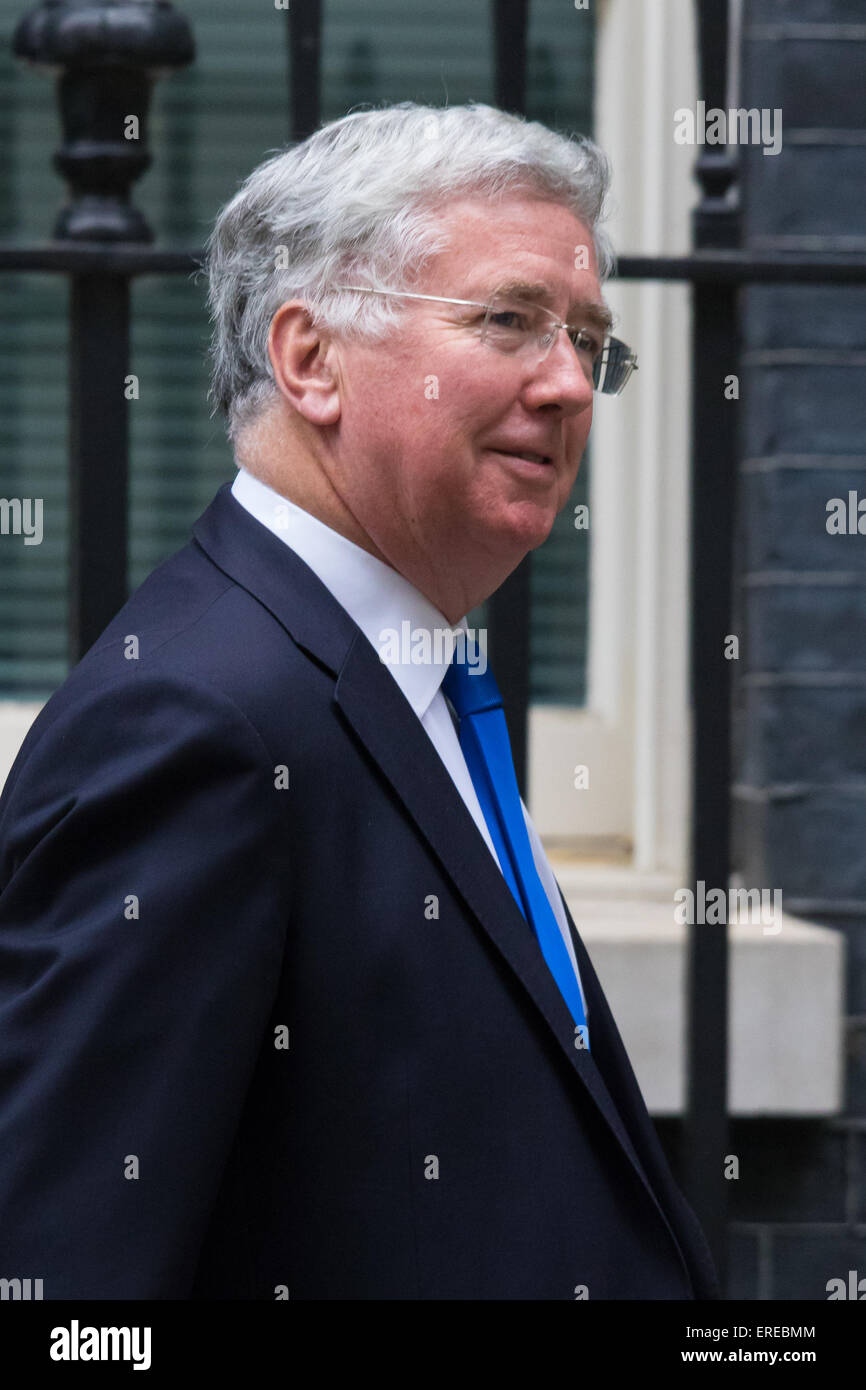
point(381, 717)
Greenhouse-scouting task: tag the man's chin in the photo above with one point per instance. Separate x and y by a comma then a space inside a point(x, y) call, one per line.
point(524, 526)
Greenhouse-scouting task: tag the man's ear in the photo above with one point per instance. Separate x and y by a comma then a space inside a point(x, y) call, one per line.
point(304, 369)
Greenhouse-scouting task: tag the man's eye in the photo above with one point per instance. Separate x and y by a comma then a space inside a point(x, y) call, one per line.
point(509, 318)
point(587, 342)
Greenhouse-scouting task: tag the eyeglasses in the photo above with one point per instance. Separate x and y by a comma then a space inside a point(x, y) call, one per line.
point(519, 327)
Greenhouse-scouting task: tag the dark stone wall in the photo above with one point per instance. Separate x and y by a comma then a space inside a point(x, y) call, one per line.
point(798, 1208)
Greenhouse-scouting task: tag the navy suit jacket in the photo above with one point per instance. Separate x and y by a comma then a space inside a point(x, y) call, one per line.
point(271, 1023)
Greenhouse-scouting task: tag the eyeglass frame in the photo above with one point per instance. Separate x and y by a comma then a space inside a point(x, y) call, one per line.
point(609, 339)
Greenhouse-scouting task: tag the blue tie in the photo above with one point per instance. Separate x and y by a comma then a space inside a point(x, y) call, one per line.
point(487, 750)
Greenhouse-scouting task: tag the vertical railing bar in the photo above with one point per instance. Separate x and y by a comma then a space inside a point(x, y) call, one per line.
point(98, 454)
point(713, 482)
point(304, 41)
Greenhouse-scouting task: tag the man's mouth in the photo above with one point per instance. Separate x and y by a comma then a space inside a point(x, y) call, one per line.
point(524, 456)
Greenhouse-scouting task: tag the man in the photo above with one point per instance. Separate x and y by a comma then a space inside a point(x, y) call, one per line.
point(291, 1003)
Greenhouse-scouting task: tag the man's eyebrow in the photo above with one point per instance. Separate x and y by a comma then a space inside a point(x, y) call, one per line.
point(594, 310)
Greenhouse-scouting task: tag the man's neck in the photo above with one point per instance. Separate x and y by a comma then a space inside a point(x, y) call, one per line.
point(312, 491)
point(294, 473)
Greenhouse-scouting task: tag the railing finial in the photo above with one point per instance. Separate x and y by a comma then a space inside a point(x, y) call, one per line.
point(106, 54)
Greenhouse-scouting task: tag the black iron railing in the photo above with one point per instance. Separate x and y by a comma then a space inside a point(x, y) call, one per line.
point(101, 242)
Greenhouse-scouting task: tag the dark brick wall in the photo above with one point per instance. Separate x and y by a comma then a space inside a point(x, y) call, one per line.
point(798, 1209)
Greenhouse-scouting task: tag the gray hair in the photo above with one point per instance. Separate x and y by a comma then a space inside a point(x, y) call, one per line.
point(356, 201)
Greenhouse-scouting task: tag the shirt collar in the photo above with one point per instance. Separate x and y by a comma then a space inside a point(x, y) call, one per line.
point(401, 624)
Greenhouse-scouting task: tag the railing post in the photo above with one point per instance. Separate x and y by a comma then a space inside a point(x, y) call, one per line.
point(107, 55)
point(304, 39)
point(714, 455)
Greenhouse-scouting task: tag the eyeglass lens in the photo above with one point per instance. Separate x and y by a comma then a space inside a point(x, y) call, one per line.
point(514, 326)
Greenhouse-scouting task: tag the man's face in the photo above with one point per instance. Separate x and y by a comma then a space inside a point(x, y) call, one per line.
point(429, 417)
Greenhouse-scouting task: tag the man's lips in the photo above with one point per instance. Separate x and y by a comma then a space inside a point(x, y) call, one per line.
point(531, 458)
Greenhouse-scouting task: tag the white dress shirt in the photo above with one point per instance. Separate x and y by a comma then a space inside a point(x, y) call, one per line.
point(378, 598)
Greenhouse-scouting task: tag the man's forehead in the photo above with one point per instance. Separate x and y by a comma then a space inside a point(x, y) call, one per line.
point(528, 248)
